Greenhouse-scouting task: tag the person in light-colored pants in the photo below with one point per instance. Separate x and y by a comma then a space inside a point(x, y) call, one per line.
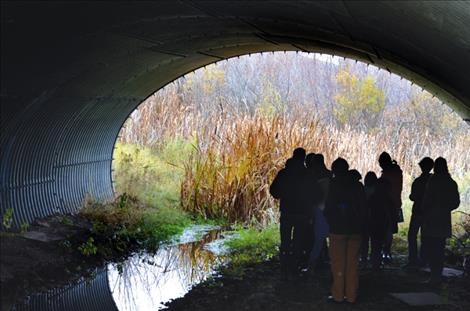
point(344, 256)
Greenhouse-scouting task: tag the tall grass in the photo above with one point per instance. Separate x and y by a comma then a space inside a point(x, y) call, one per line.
point(219, 163)
point(229, 174)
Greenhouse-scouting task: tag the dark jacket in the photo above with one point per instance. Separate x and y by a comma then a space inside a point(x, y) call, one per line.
point(292, 187)
point(394, 176)
point(345, 206)
point(440, 198)
point(417, 192)
point(381, 210)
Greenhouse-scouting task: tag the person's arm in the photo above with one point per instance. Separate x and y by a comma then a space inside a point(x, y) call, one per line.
point(413, 193)
point(455, 196)
point(276, 186)
point(427, 195)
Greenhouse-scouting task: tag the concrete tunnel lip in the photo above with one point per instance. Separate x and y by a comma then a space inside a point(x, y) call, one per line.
point(89, 74)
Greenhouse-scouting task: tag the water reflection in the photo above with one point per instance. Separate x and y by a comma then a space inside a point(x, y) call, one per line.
point(145, 282)
point(142, 282)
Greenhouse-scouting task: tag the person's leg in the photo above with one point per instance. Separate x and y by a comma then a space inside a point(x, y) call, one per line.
point(285, 255)
point(421, 249)
point(387, 248)
point(437, 263)
point(378, 241)
point(338, 260)
point(308, 241)
point(299, 237)
point(352, 262)
point(364, 247)
point(422, 253)
point(320, 234)
point(412, 240)
point(317, 248)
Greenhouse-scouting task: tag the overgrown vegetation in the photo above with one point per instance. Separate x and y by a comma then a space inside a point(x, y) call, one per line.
point(211, 143)
point(126, 222)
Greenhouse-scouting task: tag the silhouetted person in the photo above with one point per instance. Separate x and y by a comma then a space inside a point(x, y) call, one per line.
point(291, 186)
point(299, 154)
point(370, 183)
point(309, 234)
point(380, 207)
point(344, 212)
point(440, 198)
point(320, 181)
point(417, 194)
point(392, 172)
point(319, 167)
point(355, 175)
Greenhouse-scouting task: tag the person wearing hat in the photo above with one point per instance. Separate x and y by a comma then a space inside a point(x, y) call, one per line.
point(417, 194)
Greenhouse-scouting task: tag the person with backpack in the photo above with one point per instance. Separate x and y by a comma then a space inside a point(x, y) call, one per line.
point(345, 215)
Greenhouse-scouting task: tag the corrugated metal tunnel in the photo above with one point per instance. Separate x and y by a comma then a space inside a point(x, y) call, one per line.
point(71, 73)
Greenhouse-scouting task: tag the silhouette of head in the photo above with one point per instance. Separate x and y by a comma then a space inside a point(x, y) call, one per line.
point(355, 175)
point(385, 160)
point(319, 160)
point(426, 164)
point(370, 179)
point(299, 154)
point(340, 167)
point(440, 166)
point(309, 160)
point(289, 163)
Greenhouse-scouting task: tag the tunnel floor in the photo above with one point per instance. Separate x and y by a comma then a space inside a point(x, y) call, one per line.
point(259, 288)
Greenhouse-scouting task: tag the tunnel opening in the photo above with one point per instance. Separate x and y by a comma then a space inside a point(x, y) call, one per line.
point(359, 109)
point(154, 148)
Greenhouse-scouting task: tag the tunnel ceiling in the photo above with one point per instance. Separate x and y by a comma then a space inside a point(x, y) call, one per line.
point(72, 72)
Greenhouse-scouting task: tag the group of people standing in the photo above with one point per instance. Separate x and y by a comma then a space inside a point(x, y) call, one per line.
point(316, 203)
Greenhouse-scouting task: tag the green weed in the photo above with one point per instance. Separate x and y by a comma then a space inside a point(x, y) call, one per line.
point(253, 245)
point(88, 248)
point(7, 218)
point(24, 227)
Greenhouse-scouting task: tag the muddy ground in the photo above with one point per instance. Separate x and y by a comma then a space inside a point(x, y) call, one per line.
point(260, 288)
point(43, 258)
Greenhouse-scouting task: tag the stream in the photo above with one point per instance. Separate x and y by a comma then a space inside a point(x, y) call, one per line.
point(144, 281)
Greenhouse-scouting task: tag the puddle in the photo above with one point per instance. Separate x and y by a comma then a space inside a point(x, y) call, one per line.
point(144, 281)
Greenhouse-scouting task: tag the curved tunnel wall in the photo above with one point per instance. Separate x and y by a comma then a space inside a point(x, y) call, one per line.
point(72, 73)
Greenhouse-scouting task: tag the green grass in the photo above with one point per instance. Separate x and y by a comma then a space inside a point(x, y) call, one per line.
point(253, 245)
point(152, 175)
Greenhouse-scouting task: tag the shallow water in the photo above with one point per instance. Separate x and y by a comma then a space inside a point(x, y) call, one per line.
point(144, 281)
